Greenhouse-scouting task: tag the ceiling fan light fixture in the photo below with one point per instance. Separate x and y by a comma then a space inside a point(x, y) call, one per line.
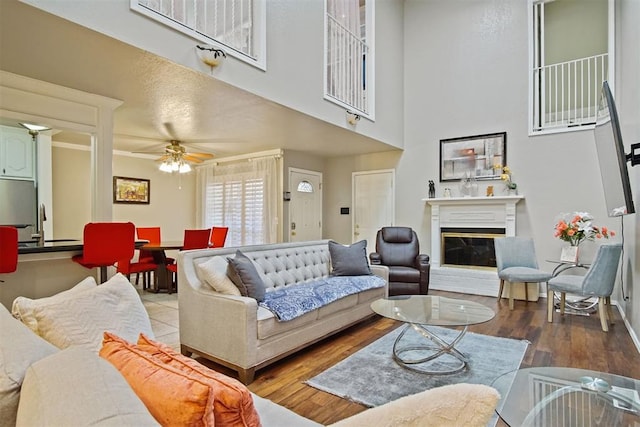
point(184, 168)
point(165, 167)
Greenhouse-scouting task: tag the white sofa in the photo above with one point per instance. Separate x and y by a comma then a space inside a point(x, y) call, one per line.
point(244, 336)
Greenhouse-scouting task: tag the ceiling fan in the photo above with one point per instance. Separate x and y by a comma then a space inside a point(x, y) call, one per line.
point(174, 157)
point(177, 159)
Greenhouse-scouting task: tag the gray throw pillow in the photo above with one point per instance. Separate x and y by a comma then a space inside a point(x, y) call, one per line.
point(349, 260)
point(244, 275)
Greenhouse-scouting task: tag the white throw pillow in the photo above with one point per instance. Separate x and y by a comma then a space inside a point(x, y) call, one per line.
point(23, 307)
point(214, 273)
point(80, 319)
point(19, 348)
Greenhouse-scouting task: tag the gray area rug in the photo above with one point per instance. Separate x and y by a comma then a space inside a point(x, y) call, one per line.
point(371, 376)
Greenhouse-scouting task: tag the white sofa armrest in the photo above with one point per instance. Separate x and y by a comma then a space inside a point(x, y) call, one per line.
point(470, 405)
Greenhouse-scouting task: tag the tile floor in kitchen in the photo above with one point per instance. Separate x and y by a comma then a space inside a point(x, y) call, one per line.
point(163, 312)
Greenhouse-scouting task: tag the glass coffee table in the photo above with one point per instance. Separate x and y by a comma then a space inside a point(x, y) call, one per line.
point(421, 311)
point(551, 396)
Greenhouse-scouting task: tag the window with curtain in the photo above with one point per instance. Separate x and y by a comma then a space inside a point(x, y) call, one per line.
point(241, 196)
point(349, 54)
point(237, 26)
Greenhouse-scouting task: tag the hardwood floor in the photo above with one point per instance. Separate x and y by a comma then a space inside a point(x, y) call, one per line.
point(572, 341)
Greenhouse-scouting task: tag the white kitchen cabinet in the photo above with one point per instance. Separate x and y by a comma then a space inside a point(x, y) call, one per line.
point(17, 158)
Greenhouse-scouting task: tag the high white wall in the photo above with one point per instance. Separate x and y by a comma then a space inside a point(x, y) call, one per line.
point(295, 49)
point(465, 73)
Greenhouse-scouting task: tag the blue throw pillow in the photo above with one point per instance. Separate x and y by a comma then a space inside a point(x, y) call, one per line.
point(349, 260)
point(244, 275)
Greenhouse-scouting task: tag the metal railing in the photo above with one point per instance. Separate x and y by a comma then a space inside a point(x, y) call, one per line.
point(346, 64)
point(567, 93)
point(229, 22)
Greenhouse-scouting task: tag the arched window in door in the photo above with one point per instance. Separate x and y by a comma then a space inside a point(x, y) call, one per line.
point(305, 186)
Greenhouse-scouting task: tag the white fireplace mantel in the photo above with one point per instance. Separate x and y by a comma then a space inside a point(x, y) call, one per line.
point(470, 212)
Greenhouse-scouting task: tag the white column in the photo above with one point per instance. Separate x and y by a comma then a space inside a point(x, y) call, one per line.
point(435, 236)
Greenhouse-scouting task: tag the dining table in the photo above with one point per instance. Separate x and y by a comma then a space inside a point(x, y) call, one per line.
point(162, 280)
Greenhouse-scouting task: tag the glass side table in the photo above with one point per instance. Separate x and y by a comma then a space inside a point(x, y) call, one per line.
point(568, 397)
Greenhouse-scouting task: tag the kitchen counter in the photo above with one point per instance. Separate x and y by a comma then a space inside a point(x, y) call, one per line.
point(46, 270)
point(57, 245)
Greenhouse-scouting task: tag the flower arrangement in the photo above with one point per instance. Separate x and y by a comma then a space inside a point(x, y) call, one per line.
point(506, 176)
point(578, 227)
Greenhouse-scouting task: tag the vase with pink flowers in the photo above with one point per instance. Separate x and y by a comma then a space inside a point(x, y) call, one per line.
point(574, 229)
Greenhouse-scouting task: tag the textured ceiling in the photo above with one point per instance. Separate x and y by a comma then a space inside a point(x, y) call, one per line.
point(161, 100)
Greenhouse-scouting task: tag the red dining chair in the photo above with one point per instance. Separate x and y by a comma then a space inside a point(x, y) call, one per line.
point(105, 243)
point(218, 236)
point(193, 239)
point(8, 249)
point(153, 235)
point(146, 267)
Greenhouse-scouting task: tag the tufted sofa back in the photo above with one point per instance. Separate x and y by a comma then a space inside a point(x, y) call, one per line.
point(280, 264)
point(288, 265)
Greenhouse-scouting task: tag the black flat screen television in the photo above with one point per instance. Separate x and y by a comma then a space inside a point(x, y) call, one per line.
point(612, 157)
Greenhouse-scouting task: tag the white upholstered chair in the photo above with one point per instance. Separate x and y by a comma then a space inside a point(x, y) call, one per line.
point(516, 263)
point(598, 282)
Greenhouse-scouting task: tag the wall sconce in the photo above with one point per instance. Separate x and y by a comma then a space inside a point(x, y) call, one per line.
point(210, 55)
point(352, 118)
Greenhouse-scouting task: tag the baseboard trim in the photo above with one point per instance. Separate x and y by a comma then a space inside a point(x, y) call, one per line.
point(632, 333)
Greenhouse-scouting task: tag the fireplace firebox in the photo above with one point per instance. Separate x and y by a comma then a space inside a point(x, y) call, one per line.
point(469, 247)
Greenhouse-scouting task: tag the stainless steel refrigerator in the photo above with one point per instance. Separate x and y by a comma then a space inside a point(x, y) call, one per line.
point(19, 206)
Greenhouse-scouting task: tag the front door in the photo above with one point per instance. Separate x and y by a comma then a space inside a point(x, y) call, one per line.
point(373, 204)
point(305, 206)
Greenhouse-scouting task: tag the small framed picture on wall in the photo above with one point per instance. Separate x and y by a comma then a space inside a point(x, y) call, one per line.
point(131, 190)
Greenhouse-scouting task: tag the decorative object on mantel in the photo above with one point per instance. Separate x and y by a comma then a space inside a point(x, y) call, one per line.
point(575, 228)
point(469, 186)
point(512, 187)
point(446, 193)
point(490, 191)
point(432, 189)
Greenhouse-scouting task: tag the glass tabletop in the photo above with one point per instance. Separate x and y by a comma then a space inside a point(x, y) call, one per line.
point(432, 310)
point(567, 396)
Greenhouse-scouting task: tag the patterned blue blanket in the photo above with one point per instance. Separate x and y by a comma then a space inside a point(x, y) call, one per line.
point(293, 301)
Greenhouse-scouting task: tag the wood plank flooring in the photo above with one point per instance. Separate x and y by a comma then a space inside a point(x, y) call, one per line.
point(572, 341)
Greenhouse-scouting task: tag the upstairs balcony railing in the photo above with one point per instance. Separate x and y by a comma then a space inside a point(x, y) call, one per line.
point(235, 24)
point(346, 67)
point(568, 92)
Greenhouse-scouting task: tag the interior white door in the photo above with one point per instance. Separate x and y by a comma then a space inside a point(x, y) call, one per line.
point(373, 204)
point(305, 206)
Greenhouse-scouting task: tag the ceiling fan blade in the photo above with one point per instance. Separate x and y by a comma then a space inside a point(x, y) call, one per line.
point(204, 156)
point(163, 158)
point(168, 127)
point(190, 158)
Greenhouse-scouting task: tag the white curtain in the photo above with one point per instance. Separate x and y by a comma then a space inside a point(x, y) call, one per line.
point(346, 12)
point(344, 52)
point(242, 196)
